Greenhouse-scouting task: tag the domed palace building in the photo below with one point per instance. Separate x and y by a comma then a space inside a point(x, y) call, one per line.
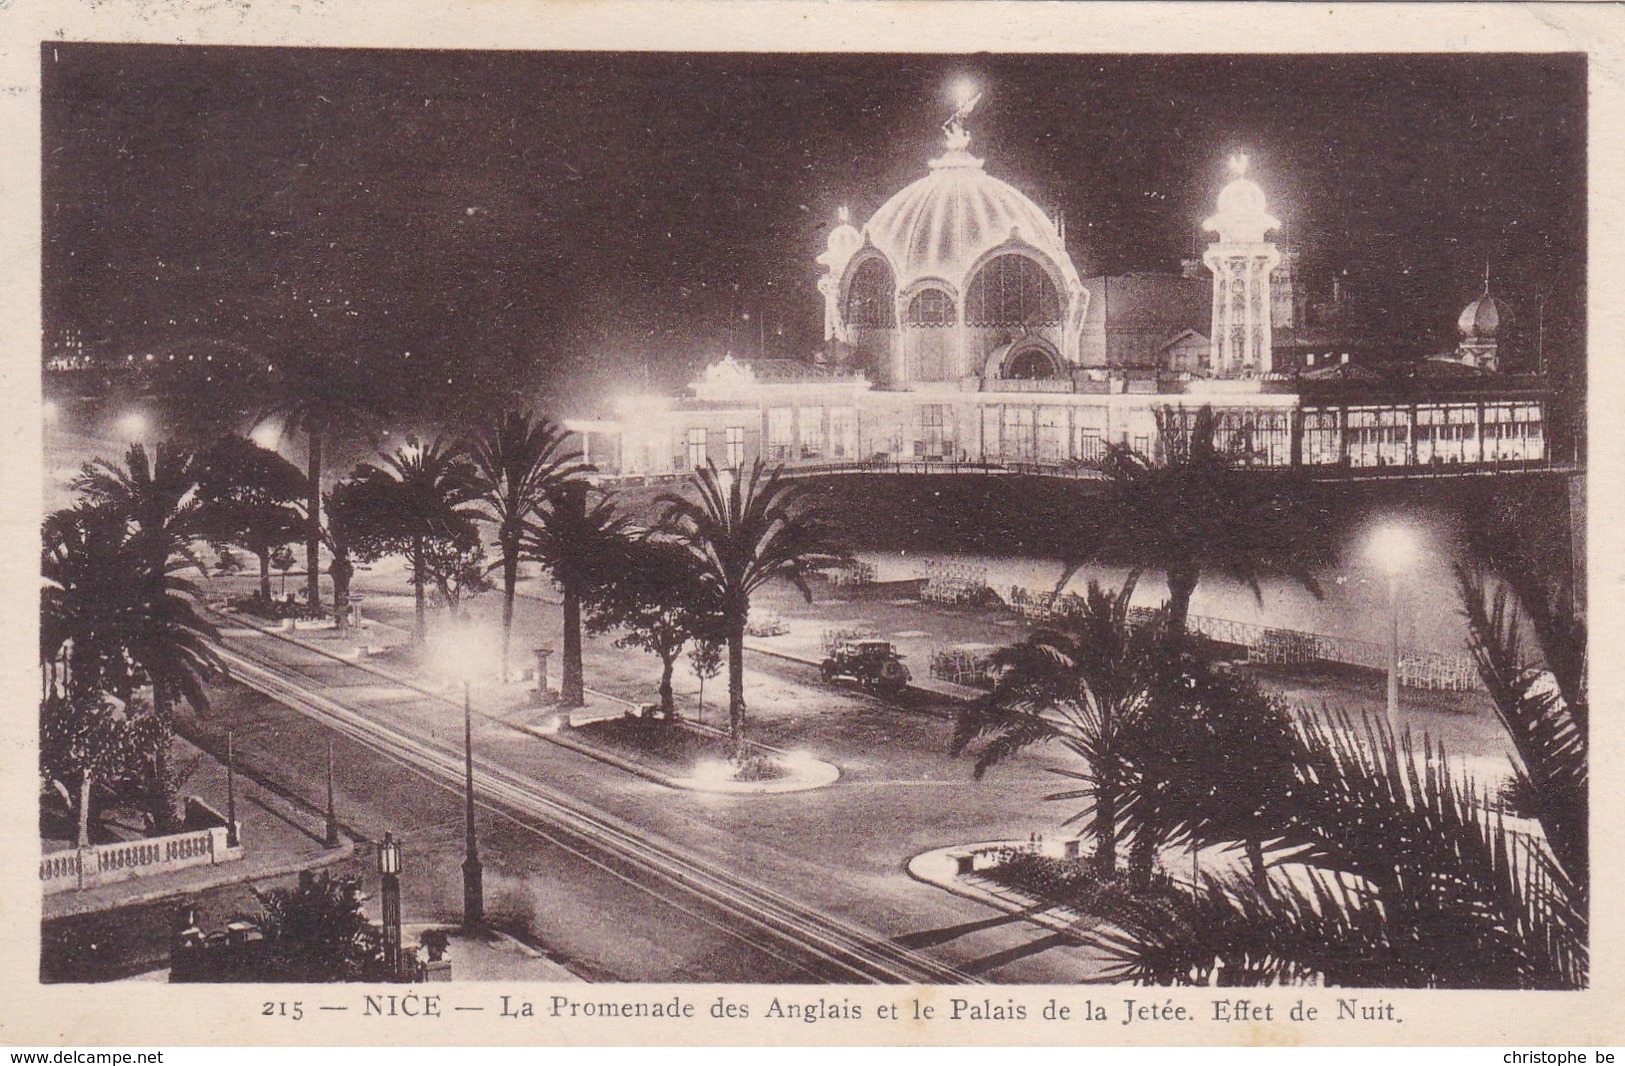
point(958, 331)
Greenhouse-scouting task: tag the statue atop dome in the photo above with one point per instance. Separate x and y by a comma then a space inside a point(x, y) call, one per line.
point(967, 96)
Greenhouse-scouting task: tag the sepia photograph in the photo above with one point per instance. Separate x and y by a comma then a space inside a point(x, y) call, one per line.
point(814, 519)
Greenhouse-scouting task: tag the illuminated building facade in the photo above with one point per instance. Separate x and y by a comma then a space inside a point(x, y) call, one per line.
point(958, 330)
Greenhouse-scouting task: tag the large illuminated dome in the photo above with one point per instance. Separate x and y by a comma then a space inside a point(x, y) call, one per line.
point(942, 225)
point(957, 276)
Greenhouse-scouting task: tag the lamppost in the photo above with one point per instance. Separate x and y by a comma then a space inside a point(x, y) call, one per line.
point(389, 869)
point(1394, 549)
point(231, 790)
point(465, 652)
point(332, 840)
point(473, 872)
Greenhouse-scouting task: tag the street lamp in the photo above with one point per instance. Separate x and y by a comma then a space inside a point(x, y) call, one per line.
point(133, 425)
point(463, 652)
point(389, 870)
point(473, 872)
point(1394, 549)
point(332, 840)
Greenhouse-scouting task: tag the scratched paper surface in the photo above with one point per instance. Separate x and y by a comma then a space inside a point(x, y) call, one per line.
point(736, 523)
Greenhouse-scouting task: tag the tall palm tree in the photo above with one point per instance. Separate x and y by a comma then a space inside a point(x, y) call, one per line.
point(1081, 682)
point(156, 622)
point(744, 530)
point(1201, 506)
point(325, 398)
point(1407, 879)
point(519, 461)
point(579, 537)
point(420, 494)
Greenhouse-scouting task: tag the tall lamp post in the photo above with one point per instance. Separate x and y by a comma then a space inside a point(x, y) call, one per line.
point(389, 869)
point(473, 872)
point(1394, 549)
point(464, 653)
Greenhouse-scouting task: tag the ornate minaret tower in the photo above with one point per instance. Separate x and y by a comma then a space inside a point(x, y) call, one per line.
point(1241, 261)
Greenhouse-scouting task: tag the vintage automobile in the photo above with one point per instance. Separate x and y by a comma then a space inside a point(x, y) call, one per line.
point(874, 664)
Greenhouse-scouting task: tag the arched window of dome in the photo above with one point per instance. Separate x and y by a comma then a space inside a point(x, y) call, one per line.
point(1012, 290)
point(932, 307)
point(871, 298)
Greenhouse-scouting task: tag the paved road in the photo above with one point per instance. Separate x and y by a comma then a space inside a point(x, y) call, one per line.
point(838, 851)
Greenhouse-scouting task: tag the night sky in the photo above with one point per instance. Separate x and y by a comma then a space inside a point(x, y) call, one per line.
point(569, 224)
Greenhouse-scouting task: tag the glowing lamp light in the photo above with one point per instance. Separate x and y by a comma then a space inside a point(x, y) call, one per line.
point(1393, 548)
point(133, 425)
point(712, 773)
point(389, 855)
point(266, 436)
point(465, 652)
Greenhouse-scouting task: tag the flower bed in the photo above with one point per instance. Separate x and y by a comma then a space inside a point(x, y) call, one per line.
point(273, 610)
point(671, 747)
point(1070, 883)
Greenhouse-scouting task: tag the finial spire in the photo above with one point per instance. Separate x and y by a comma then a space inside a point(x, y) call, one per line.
point(1486, 275)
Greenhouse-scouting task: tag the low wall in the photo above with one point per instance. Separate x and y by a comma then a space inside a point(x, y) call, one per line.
point(105, 864)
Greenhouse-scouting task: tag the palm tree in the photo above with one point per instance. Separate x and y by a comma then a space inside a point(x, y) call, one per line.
point(1212, 764)
point(579, 538)
point(520, 460)
point(1407, 880)
point(1201, 506)
point(325, 398)
point(155, 622)
point(745, 530)
point(1081, 682)
point(419, 496)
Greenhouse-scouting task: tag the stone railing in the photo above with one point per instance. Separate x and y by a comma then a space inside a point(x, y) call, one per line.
point(105, 864)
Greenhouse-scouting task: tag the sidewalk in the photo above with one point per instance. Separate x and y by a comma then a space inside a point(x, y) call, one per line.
point(278, 839)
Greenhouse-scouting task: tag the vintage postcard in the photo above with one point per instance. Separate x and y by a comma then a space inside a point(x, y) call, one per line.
point(850, 523)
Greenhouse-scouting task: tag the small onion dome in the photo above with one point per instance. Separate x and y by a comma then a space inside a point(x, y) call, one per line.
point(1242, 217)
point(844, 240)
point(1482, 318)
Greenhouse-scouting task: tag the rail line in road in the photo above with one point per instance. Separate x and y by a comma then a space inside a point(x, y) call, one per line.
point(835, 948)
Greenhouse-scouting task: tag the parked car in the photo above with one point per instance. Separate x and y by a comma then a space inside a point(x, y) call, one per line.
point(874, 664)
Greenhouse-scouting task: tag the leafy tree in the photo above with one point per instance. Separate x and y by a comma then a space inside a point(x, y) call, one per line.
point(413, 504)
point(658, 604)
point(580, 539)
point(743, 530)
point(226, 564)
point(705, 661)
point(1082, 683)
point(248, 496)
point(283, 559)
point(89, 738)
point(457, 566)
point(519, 460)
point(1202, 506)
point(325, 397)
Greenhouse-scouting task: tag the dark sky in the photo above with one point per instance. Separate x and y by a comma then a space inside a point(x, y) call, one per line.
point(575, 221)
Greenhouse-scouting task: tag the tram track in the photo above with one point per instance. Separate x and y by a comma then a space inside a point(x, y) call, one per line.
point(821, 945)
